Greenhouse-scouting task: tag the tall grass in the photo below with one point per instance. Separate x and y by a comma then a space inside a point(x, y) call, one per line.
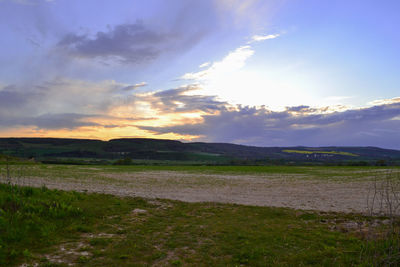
point(31, 215)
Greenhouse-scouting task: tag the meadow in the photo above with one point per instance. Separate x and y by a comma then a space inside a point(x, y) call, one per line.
point(61, 226)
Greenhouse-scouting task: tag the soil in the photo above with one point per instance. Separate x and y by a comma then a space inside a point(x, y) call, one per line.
point(289, 190)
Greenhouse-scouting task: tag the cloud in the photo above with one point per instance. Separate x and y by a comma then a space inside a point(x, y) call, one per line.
point(301, 108)
point(129, 43)
point(49, 104)
point(205, 64)
point(60, 121)
point(126, 43)
point(183, 112)
point(15, 101)
point(10, 98)
point(181, 100)
point(385, 101)
point(259, 38)
point(301, 125)
point(234, 82)
point(135, 86)
point(233, 61)
point(49, 121)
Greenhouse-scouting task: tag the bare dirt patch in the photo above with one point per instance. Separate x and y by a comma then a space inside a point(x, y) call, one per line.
point(68, 253)
point(278, 190)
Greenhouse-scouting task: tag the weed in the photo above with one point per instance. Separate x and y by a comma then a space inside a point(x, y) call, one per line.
point(176, 263)
point(123, 257)
point(99, 241)
point(83, 259)
point(383, 247)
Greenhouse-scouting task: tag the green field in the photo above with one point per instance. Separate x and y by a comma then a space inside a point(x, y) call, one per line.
point(320, 152)
point(346, 173)
point(58, 228)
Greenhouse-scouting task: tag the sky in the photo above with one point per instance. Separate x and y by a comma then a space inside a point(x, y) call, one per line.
point(252, 72)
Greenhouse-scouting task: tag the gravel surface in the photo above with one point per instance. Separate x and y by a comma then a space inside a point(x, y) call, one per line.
point(288, 190)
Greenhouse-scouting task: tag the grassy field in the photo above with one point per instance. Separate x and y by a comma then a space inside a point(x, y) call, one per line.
point(320, 152)
point(57, 228)
point(339, 173)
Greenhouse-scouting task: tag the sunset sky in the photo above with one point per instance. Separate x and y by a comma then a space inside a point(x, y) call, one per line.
point(265, 73)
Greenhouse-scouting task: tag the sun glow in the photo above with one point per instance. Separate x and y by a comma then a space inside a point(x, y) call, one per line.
point(232, 81)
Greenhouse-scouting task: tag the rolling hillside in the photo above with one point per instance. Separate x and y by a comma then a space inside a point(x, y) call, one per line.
point(157, 149)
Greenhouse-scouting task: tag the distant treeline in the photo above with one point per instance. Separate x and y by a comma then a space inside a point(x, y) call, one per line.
point(166, 152)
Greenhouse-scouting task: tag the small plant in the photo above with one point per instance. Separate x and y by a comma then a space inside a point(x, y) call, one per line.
point(384, 200)
point(7, 168)
point(13, 170)
point(176, 263)
point(8, 177)
point(26, 253)
point(83, 259)
point(99, 241)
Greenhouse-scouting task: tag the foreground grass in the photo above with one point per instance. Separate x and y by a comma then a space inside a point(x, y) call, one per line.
point(57, 228)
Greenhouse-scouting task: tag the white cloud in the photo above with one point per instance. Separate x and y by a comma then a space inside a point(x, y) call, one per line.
point(232, 81)
point(259, 38)
point(205, 64)
point(242, 77)
point(385, 101)
point(234, 61)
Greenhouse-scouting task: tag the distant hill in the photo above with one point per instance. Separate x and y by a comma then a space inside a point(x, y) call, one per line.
point(161, 150)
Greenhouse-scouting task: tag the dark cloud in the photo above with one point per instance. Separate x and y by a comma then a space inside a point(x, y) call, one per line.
point(298, 108)
point(49, 104)
point(178, 100)
point(9, 98)
point(126, 43)
point(60, 121)
point(60, 96)
point(49, 121)
point(15, 101)
point(374, 126)
point(135, 86)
